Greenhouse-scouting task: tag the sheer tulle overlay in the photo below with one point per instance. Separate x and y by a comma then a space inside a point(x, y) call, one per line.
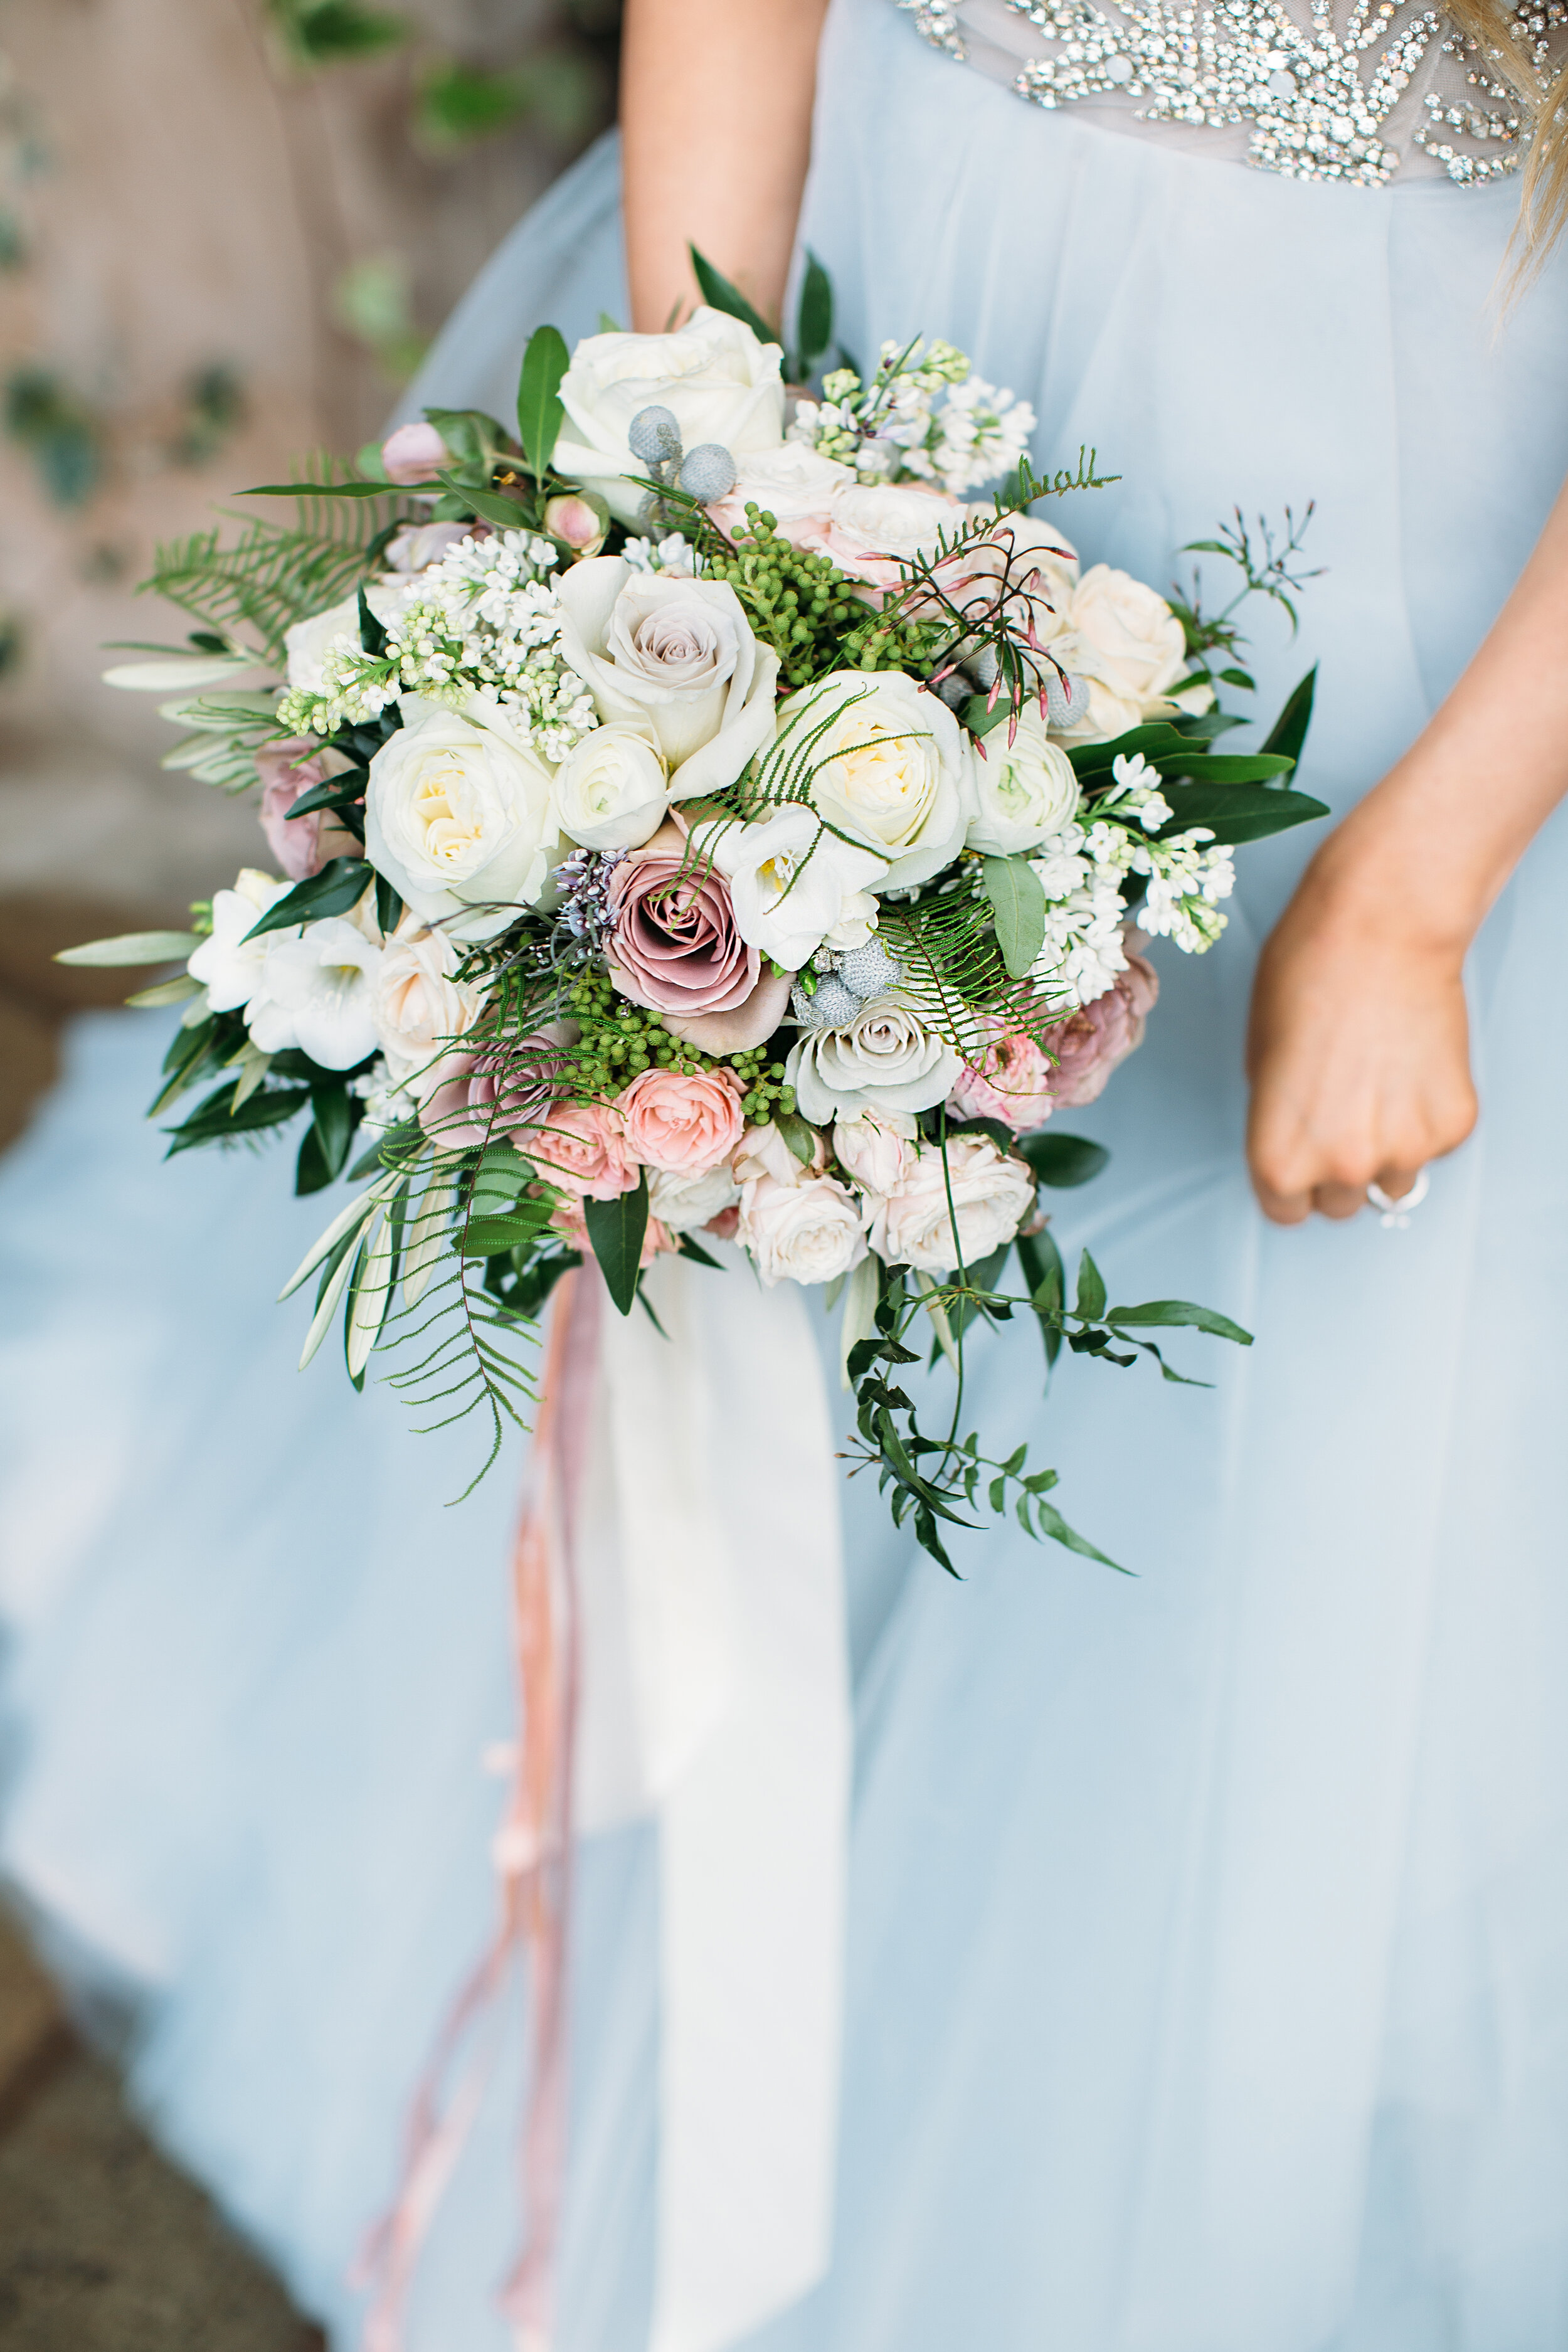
point(1208, 1926)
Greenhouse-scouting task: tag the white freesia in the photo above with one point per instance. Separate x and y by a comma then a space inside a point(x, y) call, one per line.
point(884, 1060)
point(309, 642)
point(992, 1193)
point(792, 882)
point(1024, 791)
point(228, 964)
point(460, 821)
point(418, 1006)
point(806, 1232)
point(719, 382)
point(318, 994)
point(888, 763)
point(612, 792)
point(685, 1203)
point(674, 654)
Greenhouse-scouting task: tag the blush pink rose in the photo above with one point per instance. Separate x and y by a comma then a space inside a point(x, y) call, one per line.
point(302, 845)
point(582, 1148)
point(1100, 1034)
point(482, 1096)
point(414, 453)
point(683, 1123)
point(1012, 1082)
point(569, 1219)
point(674, 946)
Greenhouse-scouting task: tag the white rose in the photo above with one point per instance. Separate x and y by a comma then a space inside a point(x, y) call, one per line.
point(460, 822)
point(675, 654)
point(873, 1148)
point(309, 642)
point(417, 1006)
point(1028, 561)
point(888, 763)
point(683, 1202)
point(611, 790)
point(318, 994)
point(791, 881)
point(720, 382)
point(228, 966)
point(763, 1151)
point(883, 1060)
point(872, 529)
point(1023, 792)
point(795, 485)
point(808, 1231)
point(992, 1191)
point(1128, 639)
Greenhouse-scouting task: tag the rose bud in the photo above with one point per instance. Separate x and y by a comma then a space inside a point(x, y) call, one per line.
point(414, 453)
point(579, 522)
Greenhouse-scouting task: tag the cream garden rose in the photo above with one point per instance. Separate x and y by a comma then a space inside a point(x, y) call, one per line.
point(460, 821)
point(992, 1193)
point(873, 1146)
point(1129, 644)
point(612, 790)
point(417, 1006)
point(872, 529)
point(720, 381)
point(1024, 791)
point(888, 764)
point(675, 656)
point(806, 1232)
point(884, 1060)
point(684, 1203)
point(307, 642)
point(795, 485)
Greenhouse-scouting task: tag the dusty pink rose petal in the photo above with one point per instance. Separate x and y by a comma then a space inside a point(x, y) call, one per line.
point(414, 453)
point(724, 1226)
point(582, 1148)
point(685, 1123)
point(484, 1096)
point(751, 1024)
point(1088, 1047)
point(1012, 1083)
point(300, 844)
point(674, 946)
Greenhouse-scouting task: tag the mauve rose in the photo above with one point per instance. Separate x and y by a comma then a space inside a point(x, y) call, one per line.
point(302, 845)
point(682, 1122)
point(1101, 1033)
point(483, 1096)
point(582, 1148)
point(1011, 1082)
point(414, 453)
point(674, 947)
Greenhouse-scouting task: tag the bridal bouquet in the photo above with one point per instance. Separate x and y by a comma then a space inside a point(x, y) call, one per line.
point(696, 818)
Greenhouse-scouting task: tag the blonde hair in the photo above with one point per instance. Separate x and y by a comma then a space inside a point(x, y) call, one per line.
point(1542, 90)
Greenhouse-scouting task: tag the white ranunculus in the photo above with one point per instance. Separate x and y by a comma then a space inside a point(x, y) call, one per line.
point(674, 654)
point(1129, 640)
point(992, 1193)
point(318, 994)
point(873, 1148)
point(683, 1202)
point(888, 762)
point(805, 1232)
point(460, 821)
point(417, 1006)
point(612, 791)
point(883, 1060)
point(791, 881)
point(309, 641)
point(718, 380)
point(229, 966)
point(1023, 792)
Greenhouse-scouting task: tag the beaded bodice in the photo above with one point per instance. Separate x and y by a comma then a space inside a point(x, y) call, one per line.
point(1314, 89)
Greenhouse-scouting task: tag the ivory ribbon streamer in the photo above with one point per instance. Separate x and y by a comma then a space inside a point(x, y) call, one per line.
point(679, 1606)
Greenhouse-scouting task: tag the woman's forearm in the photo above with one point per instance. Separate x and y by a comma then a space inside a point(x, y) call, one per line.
point(1438, 837)
point(716, 99)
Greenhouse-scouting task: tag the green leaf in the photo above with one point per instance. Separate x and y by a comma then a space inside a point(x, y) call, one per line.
point(1089, 1304)
point(540, 413)
point(339, 792)
point(1019, 903)
point(1180, 1311)
point(1228, 768)
point(1289, 732)
point(371, 636)
point(814, 320)
point(720, 294)
point(1238, 812)
point(1239, 678)
point(693, 1249)
point(979, 714)
point(616, 1229)
point(340, 885)
point(494, 1236)
point(505, 513)
point(324, 1148)
point(388, 905)
point(1062, 1160)
point(1041, 1262)
point(800, 1135)
point(1052, 1525)
point(212, 1122)
point(132, 948)
point(330, 490)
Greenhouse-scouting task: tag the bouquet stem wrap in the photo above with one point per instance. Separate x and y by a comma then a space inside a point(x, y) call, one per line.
point(680, 1643)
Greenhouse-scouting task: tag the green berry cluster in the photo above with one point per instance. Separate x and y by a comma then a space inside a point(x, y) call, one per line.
point(620, 1040)
point(801, 605)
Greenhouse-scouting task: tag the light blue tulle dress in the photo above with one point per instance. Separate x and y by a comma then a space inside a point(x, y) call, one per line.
point(1208, 1949)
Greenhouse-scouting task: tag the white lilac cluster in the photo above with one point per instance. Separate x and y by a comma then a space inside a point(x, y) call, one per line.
point(924, 416)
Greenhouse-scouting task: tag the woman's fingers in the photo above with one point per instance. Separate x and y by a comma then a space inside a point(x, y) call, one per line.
point(1338, 1201)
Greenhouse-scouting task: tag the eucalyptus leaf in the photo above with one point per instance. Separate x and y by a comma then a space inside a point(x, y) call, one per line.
point(132, 948)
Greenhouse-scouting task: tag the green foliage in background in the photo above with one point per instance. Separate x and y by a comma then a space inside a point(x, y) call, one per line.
point(58, 431)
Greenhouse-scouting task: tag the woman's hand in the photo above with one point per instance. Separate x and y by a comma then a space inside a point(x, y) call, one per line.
point(1359, 1050)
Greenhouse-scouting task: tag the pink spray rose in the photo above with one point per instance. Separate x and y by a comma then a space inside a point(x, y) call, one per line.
point(420, 544)
point(414, 453)
point(485, 1096)
point(1012, 1082)
point(302, 845)
point(578, 521)
point(582, 1148)
point(681, 1123)
point(1090, 1045)
point(674, 947)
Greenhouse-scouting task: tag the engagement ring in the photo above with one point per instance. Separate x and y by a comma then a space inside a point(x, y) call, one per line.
point(1397, 1213)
